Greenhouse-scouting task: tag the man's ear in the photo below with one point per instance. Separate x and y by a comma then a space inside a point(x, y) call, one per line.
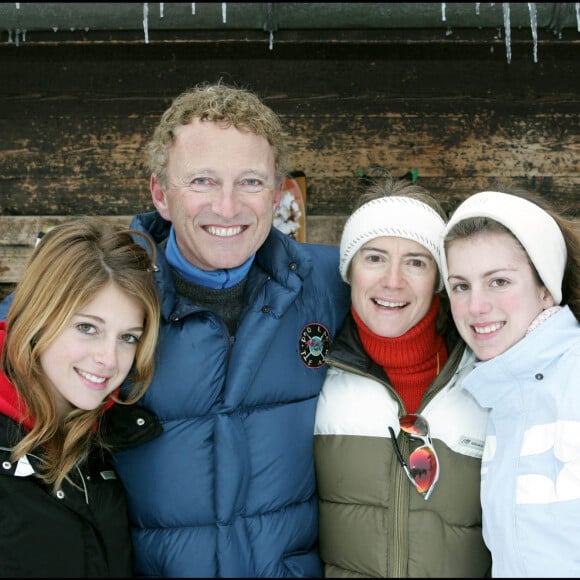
point(158, 196)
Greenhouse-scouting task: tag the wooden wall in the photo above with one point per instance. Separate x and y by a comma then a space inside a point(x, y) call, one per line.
point(75, 116)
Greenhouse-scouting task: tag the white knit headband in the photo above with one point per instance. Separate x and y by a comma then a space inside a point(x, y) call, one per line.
point(394, 216)
point(534, 228)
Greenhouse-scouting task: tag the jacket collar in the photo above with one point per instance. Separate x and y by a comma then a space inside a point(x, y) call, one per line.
point(279, 258)
point(10, 403)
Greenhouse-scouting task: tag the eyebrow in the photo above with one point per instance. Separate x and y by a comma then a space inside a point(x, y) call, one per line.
point(210, 171)
point(92, 316)
point(425, 254)
point(485, 274)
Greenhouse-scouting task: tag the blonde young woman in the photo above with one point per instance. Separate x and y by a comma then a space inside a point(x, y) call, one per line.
point(398, 442)
point(512, 271)
point(84, 317)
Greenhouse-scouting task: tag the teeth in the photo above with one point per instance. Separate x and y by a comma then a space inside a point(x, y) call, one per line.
point(390, 304)
point(92, 378)
point(224, 232)
point(487, 329)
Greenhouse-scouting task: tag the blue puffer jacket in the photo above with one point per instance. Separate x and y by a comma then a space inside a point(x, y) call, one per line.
point(5, 305)
point(228, 490)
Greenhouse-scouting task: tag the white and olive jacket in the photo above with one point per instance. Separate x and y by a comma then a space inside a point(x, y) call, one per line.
point(373, 522)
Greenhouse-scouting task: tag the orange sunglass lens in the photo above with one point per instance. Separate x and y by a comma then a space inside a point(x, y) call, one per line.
point(414, 425)
point(423, 468)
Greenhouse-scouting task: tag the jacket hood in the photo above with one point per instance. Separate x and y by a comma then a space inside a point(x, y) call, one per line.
point(10, 403)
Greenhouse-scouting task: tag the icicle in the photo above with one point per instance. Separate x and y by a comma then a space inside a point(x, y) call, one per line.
point(269, 25)
point(578, 15)
point(17, 5)
point(10, 36)
point(558, 16)
point(443, 11)
point(160, 9)
point(193, 8)
point(17, 36)
point(477, 8)
point(508, 31)
point(534, 27)
point(224, 7)
point(146, 21)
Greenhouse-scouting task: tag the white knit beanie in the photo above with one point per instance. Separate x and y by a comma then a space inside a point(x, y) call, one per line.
point(394, 216)
point(535, 229)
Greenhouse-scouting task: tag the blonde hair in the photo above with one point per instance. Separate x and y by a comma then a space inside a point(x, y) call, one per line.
point(70, 265)
point(223, 104)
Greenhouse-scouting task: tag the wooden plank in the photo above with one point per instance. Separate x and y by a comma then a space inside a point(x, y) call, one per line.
point(22, 231)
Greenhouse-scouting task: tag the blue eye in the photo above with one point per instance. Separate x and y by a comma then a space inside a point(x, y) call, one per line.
point(202, 182)
point(250, 185)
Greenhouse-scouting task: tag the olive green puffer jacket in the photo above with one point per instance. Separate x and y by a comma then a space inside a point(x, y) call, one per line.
point(373, 522)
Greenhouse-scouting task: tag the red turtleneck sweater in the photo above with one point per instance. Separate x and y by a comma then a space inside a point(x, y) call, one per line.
point(411, 361)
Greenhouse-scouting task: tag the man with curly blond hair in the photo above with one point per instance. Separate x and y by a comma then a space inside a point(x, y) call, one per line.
point(228, 489)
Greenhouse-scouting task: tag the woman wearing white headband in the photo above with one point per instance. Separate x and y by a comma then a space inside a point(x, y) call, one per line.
point(512, 272)
point(398, 443)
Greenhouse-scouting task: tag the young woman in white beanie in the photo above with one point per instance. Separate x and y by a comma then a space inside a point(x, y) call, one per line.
point(398, 443)
point(512, 272)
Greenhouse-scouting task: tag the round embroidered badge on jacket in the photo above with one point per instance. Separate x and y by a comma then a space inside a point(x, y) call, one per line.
point(313, 344)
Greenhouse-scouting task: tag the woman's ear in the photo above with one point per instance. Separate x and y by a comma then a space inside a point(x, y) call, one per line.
point(546, 298)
